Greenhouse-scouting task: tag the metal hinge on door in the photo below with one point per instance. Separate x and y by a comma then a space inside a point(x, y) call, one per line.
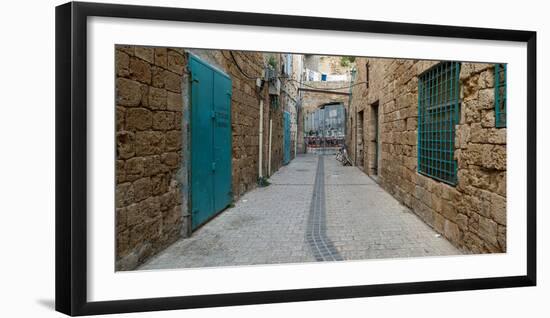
point(213, 166)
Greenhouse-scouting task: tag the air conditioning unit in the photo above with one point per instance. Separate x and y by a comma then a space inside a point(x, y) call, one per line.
point(274, 87)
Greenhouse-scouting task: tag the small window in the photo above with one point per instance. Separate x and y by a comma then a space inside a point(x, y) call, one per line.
point(500, 95)
point(438, 113)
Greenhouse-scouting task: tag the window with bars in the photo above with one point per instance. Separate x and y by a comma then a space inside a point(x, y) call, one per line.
point(438, 113)
point(500, 95)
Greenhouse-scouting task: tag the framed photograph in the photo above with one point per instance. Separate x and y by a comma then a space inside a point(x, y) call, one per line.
point(211, 158)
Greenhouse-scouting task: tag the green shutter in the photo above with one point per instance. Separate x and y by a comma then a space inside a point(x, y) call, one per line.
point(438, 113)
point(500, 95)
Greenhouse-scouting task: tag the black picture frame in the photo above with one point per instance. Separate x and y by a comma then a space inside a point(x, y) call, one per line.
point(71, 157)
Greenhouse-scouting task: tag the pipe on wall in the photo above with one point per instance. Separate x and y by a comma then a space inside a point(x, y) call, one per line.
point(269, 150)
point(261, 135)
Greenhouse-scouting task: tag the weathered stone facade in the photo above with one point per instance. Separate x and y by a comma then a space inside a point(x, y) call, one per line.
point(472, 214)
point(153, 140)
point(149, 143)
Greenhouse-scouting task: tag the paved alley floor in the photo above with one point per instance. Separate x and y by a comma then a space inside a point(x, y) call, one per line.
point(314, 210)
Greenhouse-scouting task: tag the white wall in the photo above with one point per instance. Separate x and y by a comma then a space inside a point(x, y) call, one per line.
point(27, 161)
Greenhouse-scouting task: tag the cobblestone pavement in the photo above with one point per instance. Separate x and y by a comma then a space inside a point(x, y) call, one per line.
point(307, 215)
point(364, 221)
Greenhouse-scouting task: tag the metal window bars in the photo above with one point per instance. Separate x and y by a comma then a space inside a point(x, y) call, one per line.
point(438, 113)
point(500, 95)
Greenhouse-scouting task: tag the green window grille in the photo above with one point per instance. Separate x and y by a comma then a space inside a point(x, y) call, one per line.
point(438, 113)
point(500, 95)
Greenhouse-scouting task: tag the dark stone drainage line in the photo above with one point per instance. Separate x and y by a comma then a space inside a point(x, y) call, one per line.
point(316, 232)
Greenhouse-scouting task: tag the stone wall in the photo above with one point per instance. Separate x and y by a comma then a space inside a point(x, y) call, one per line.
point(472, 214)
point(152, 134)
point(148, 155)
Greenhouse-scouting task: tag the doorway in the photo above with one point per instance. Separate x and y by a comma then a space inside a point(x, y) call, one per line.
point(286, 137)
point(375, 140)
point(210, 161)
point(360, 142)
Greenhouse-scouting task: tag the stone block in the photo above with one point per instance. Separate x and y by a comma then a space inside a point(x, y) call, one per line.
point(161, 57)
point(174, 101)
point(153, 166)
point(172, 81)
point(157, 98)
point(171, 218)
point(502, 238)
point(452, 232)
point(128, 92)
point(488, 230)
point(486, 99)
point(120, 117)
point(149, 142)
point(134, 168)
point(120, 172)
point(168, 200)
point(125, 144)
point(176, 62)
point(488, 136)
point(498, 209)
point(436, 203)
point(122, 61)
point(138, 119)
point(178, 121)
point(157, 76)
point(145, 53)
point(122, 248)
point(142, 234)
point(471, 115)
point(142, 189)
point(448, 210)
point(128, 49)
point(487, 79)
point(163, 120)
point(124, 194)
point(462, 221)
point(488, 118)
point(173, 140)
point(494, 157)
point(462, 136)
point(412, 123)
point(171, 159)
point(140, 71)
point(159, 184)
point(439, 223)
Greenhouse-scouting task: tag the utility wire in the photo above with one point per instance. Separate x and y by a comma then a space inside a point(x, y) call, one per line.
point(234, 60)
point(326, 89)
point(239, 67)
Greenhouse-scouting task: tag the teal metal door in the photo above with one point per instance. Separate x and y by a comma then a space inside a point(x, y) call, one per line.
point(286, 138)
point(210, 141)
point(222, 141)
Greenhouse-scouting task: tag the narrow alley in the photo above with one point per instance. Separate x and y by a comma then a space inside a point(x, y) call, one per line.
point(338, 213)
point(228, 158)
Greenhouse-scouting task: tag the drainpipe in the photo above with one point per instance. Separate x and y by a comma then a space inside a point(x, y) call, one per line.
point(261, 135)
point(269, 151)
point(296, 141)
